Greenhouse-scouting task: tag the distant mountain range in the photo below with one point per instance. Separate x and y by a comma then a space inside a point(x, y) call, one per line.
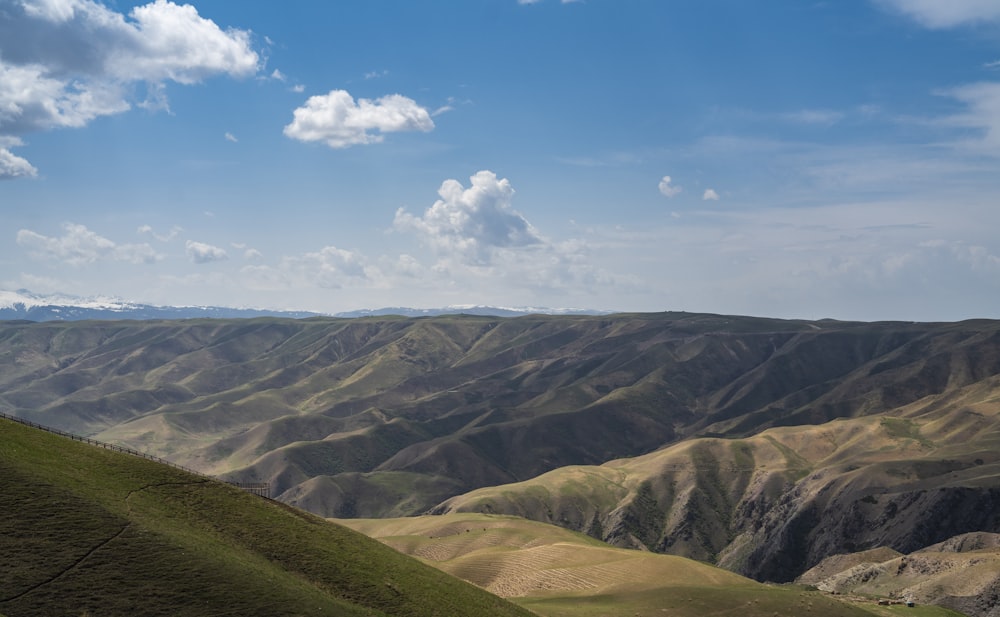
point(23, 304)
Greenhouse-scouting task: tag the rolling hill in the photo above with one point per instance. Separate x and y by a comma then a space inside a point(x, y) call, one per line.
point(558, 573)
point(762, 445)
point(775, 504)
point(89, 531)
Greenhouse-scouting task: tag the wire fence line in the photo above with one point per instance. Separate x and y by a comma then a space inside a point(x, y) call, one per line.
point(262, 489)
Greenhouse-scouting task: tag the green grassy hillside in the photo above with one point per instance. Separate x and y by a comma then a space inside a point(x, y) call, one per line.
point(87, 531)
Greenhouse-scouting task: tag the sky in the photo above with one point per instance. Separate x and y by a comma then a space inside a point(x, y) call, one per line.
point(781, 158)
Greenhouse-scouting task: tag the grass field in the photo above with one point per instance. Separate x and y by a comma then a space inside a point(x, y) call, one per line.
point(559, 573)
point(86, 531)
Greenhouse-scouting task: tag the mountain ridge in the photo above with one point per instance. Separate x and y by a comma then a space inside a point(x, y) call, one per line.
point(25, 305)
point(381, 417)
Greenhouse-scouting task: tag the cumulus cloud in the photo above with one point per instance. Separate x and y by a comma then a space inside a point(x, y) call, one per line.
point(938, 14)
point(80, 246)
point(471, 222)
point(339, 121)
point(230, 137)
point(710, 195)
point(668, 189)
point(64, 63)
point(201, 253)
point(475, 235)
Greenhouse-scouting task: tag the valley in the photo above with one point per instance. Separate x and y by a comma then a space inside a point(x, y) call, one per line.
point(759, 445)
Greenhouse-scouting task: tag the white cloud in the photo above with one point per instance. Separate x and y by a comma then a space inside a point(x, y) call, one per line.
point(475, 235)
point(230, 137)
point(946, 13)
point(278, 75)
point(471, 222)
point(982, 114)
point(79, 246)
point(170, 41)
point(815, 116)
point(298, 88)
point(710, 195)
point(201, 253)
point(376, 74)
point(11, 165)
point(328, 268)
point(668, 189)
point(148, 229)
point(338, 121)
point(64, 63)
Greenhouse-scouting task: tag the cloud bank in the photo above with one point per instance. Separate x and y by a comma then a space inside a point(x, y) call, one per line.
point(64, 63)
point(79, 246)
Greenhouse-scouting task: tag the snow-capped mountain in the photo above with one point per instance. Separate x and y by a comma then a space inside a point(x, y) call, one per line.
point(23, 304)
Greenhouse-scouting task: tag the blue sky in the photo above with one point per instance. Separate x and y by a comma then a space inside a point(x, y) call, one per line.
point(779, 158)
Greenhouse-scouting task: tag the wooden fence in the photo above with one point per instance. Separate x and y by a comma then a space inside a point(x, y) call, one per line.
point(262, 489)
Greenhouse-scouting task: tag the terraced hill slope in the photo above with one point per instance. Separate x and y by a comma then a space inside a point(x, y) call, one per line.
point(87, 531)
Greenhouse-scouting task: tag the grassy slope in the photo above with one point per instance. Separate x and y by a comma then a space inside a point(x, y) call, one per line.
point(559, 573)
point(716, 499)
point(85, 530)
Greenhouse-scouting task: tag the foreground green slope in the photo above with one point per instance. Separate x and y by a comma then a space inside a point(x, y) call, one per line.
point(559, 573)
point(89, 531)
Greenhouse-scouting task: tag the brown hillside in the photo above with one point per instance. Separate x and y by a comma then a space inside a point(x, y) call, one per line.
point(879, 434)
point(775, 504)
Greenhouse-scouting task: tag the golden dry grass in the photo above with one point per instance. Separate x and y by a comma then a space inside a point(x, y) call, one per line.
point(559, 573)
